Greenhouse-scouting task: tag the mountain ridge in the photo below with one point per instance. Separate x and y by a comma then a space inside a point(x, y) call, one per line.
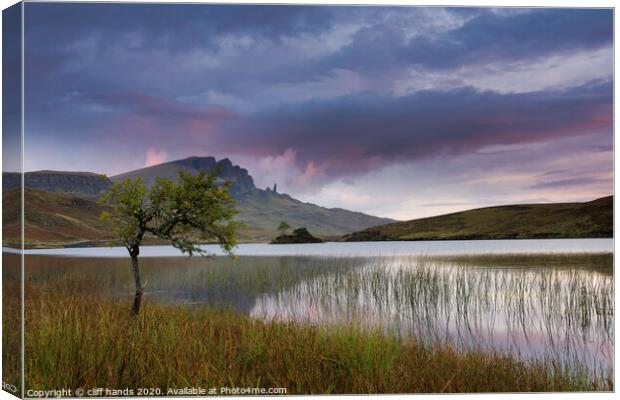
point(240, 177)
point(261, 210)
point(85, 183)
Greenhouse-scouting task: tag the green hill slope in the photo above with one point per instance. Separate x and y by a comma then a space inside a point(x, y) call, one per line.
point(561, 220)
point(262, 211)
point(51, 219)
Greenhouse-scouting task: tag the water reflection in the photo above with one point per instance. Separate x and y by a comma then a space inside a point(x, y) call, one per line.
point(559, 307)
point(562, 313)
point(362, 249)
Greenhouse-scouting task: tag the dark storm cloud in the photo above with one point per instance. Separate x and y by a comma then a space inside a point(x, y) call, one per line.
point(152, 107)
point(87, 46)
point(176, 26)
point(259, 80)
point(487, 37)
point(351, 135)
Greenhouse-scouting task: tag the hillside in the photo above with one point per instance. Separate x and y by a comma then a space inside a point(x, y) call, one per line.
point(61, 206)
point(262, 210)
point(51, 219)
point(562, 220)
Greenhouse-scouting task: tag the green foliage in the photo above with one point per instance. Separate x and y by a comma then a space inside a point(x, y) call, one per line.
point(300, 235)
point(193, 211)
point(283, 227)
point(301, 232)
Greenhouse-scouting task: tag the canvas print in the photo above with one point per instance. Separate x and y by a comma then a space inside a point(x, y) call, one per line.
point(220, 199)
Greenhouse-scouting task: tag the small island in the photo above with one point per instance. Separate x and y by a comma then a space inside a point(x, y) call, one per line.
point(300, 235)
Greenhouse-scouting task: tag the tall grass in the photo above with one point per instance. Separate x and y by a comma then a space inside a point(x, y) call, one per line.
point(11, 321)
point(313, 325)
point(86, 341)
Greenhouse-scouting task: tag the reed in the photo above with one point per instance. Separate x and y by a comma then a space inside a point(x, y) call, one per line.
point(318, 325)
point(77, 341)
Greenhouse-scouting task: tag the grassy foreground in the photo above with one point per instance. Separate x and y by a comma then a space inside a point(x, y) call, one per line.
point(86, 341)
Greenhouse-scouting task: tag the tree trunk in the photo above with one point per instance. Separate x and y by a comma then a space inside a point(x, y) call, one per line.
point(137, 300)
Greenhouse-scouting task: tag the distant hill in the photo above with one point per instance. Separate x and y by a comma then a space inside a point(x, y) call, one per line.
point(263, 209)
point(84, 183)
point(61, 206)
point(592, 219)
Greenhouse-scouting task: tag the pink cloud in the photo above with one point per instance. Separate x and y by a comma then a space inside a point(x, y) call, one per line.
point(154, 157)
point(280, 168)
point(311, 173)
point(286, 160)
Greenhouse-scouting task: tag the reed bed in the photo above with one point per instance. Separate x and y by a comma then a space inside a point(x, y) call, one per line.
point(81, 341)
point(562, 313)
point(312, 325)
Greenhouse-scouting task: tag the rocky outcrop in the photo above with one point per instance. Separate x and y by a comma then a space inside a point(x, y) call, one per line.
point(228, 171)
point(241, 180)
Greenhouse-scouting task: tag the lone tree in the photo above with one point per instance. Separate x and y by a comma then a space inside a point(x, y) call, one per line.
point(283, 227)
point(186, 214)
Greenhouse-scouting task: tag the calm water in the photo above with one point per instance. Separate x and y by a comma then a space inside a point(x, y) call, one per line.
point(558, 307)
point(364, 249)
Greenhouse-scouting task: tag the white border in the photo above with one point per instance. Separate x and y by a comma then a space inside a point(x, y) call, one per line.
point(479, 3)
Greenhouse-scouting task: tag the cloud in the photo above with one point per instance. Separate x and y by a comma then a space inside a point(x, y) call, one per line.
point(317, 141)
point(128, 119)
point(352, 135)
point(488, 37)
point(179, 26)
point(561, 183)
point(150, 106)
point(296, 53)
point(435, 186)
point(280, 168)
point(552, 72)
point(318, 98)
point(154, 157)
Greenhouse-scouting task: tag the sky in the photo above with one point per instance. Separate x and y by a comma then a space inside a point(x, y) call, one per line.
point(401, 112)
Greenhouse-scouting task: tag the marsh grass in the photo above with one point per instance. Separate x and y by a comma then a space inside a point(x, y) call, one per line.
point(87, 341)
point(11, 319)
point(342, 325)
point(433, 282)
point(565, 313)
